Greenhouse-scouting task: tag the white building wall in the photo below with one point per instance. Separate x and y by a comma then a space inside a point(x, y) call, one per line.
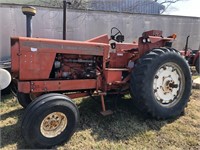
point(83, 25)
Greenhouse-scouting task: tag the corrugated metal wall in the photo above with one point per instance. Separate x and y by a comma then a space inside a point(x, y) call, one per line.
point(131, 6)
point(83, 25)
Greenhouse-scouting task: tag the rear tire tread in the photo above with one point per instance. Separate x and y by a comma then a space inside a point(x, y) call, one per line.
point(137, 88)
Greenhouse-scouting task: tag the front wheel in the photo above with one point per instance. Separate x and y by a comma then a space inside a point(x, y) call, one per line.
point(161, 83)
point(24, 99)
point(49, 120)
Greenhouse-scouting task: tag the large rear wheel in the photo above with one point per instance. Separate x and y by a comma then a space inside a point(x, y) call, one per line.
point(161, 83)
point(49, 120)
point(197, 65)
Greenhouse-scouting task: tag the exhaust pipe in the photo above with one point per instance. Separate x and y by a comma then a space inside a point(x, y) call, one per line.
point(65, 3)
point(29, 12)
point(186, 47)
point(64, 19)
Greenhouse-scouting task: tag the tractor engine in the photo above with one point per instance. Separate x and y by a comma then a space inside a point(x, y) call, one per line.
point(74, 67)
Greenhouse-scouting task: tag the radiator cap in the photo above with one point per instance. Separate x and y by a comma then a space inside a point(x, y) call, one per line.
point(5, 78)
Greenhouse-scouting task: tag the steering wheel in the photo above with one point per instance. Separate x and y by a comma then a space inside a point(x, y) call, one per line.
point(118, 37)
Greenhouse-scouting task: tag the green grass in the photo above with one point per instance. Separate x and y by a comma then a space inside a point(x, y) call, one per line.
point(194, 77)
point(126, 129)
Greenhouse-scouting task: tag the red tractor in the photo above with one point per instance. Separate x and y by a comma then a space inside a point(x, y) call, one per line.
point(192, 56)
point(50, 73)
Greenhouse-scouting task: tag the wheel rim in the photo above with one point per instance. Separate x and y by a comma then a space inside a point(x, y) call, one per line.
point(168, 84)
point(53, 124)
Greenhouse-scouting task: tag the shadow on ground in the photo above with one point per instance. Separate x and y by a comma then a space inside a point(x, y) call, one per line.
point(125, 122)
point(11, 133)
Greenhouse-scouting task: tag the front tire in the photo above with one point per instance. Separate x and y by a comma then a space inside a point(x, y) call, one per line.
point(24, 99)
point(161, 83)
point(49, 120)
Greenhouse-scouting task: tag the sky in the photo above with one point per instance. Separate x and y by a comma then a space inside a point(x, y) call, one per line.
point(185, 8)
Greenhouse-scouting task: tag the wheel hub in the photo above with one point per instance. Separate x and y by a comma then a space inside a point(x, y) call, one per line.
point(53, 124)
point(167, 84)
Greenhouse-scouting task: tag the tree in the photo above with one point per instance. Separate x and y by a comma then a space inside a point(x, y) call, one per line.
point(167, 3)
point(84, 4)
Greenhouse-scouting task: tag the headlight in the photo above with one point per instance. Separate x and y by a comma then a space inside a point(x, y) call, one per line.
point(144, 40)
point(5, 78)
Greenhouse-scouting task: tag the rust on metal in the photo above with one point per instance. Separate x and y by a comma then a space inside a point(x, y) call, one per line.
point(77, 67)
point(63, 85)
point(24, 87)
